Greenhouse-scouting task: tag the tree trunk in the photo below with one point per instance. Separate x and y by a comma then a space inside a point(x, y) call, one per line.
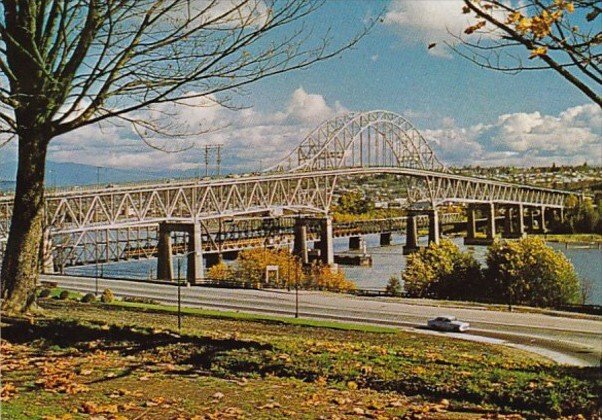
point(20, 267)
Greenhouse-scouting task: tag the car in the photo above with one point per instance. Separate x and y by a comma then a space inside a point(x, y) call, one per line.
point(447, 323)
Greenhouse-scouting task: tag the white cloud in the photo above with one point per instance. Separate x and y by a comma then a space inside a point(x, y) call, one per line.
point(251, 138)
point(430, 21)
point(525, 139)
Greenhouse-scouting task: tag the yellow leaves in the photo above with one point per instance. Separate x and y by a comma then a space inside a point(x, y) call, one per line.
point(220, 272)
point(570, 7)
point(540, 25)
point(90, 407)
point(514, 17)
point(352, 385)
point(269, 406)
point(475, 27)
point(538, 51)
point(524, 24)
point(8, 391)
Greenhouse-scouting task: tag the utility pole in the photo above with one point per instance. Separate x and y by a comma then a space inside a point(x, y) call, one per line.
point(218, 154)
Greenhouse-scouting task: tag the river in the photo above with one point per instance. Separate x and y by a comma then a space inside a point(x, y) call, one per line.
point(387, 261)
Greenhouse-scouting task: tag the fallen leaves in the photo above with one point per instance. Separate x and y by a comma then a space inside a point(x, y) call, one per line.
point(8, 391)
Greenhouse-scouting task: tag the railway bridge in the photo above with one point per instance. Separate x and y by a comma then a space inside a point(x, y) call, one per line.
point(301, 186)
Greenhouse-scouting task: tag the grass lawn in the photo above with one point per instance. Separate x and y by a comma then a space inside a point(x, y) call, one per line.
point(123, 361)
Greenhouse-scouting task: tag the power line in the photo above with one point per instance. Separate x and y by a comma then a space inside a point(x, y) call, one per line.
point(213, 149)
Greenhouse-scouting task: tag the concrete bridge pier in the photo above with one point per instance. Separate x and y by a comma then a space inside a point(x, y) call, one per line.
point(541, 220)
point(300, 241)
point(490, 215)
point(471, 222)
point(520, 230)
point(164, 257)
point(385, 238)
point(508, 223)
point(355, 243)
point(326, 245)
point(194, 257)
point(490, 230)
point(411, 235)
point(531, 220)
point(434, 235)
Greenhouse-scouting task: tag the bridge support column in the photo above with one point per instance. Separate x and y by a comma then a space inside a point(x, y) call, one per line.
point(326, 243)
point(542, 220)
point(561, 215)
point(531, 220)
point(471, 222)
point(411, 235)
point(520, 231)
point(434, 236)
point(164, 258)
point(47, 260)
point(194, 260)
point(300, 241)
point(509, 222)
point(194, 257)
point(355, 243)
point(385, 238)
point(490, 215)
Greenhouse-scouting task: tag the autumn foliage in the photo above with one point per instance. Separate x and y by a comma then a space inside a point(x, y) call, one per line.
point(526, 272)
point(530, 272)
point(442, 271)
point(250, 268)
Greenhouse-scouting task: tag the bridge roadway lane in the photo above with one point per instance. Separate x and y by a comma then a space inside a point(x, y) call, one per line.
point(566, 339)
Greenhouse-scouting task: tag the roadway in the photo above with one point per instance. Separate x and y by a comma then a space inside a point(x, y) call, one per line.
point(564, 338)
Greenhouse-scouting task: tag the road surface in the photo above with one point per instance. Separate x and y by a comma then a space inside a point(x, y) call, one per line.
point(565, 339)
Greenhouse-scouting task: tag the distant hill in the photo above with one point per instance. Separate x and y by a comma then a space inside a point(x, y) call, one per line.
point(68, 174)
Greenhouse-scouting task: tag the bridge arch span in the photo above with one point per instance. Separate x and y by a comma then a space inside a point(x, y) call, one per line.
point(362, 139)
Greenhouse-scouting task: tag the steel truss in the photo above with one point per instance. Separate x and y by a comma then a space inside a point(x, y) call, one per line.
point(304, 183)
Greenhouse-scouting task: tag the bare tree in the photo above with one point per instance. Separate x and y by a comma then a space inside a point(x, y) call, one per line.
point(561, 35)
point(66, 64)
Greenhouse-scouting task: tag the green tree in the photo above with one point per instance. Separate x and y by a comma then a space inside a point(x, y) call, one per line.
point(529, 272)
point(442, 271)
point(580, 217)
point(67, 64)
point(394, 287)
point(354, 202)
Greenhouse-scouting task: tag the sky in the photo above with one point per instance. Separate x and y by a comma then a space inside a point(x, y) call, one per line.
point(470, 115)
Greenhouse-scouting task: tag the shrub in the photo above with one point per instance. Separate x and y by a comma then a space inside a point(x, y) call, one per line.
point(530, 272)
point(44, 293)
point(139, 299)
point(325, 278)
point(394, 287)
point(252, 263)
point(220, 272)
point(64, 295)
point(442, 271)
point(107, 296)
point(89, 297)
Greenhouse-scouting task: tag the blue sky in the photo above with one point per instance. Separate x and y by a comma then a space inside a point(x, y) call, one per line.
point(471, 115)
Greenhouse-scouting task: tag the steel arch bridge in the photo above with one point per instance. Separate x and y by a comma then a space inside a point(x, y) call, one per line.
point(352, 144)
point(365, 139)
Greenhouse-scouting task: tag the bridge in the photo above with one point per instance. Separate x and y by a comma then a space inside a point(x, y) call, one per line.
point(302, 186)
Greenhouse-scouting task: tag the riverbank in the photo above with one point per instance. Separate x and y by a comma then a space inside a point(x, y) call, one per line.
point(101, 359)
point(574, 238)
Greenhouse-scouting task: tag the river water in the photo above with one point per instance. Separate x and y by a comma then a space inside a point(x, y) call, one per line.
point(387, 261)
